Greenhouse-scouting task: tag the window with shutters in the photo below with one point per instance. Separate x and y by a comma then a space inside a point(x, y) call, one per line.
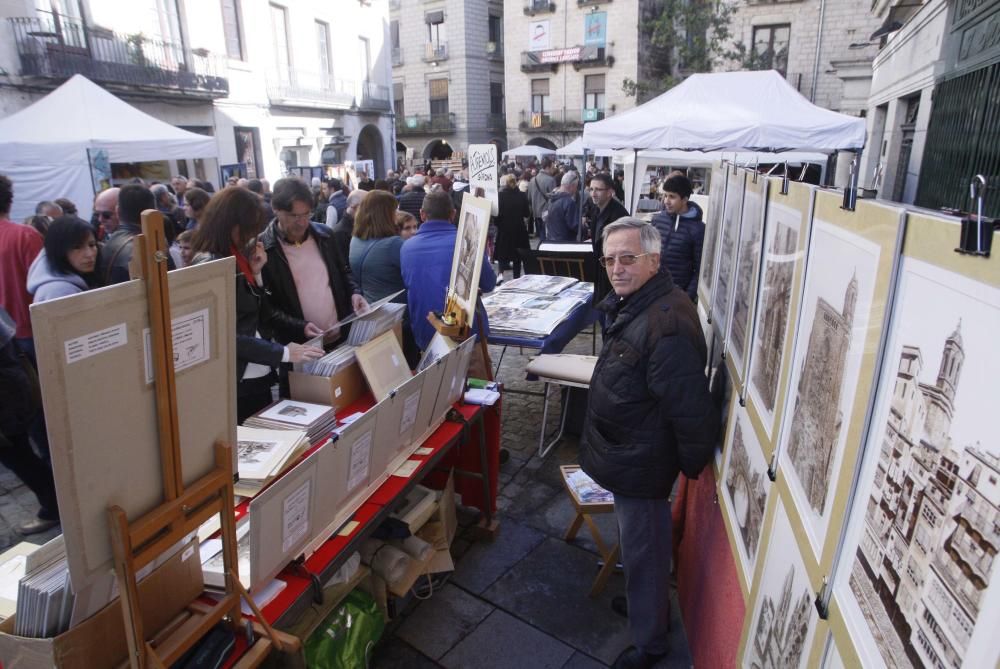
point(232, 28)
point(325, 58)
point(540, 96)
point(770, 48)
point(496, 97)
point(435, 28)
point(438, 96)
point(593, 93)
point(397, 99)
point(279, 31)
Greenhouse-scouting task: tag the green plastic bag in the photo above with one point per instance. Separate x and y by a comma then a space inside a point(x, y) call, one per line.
point(347, 638)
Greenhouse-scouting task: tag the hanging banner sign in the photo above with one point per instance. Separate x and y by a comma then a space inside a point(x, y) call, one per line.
point(595, 29)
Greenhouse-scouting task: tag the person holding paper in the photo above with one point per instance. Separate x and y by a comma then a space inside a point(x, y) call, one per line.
point(649, 417)
point(229, 227)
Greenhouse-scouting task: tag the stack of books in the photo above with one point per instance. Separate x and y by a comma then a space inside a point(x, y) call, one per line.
point(263, 455)
point(318, 420)
point(371, 325)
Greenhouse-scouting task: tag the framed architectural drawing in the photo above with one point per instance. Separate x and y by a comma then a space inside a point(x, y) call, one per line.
point(713, 224)
point(729, 238)
point(918, 579)
point(783, 620)
point(92, 362)
point(745, 280)
point(848, 277)
point(745, 487)
point(786, 233)
point(470, 245)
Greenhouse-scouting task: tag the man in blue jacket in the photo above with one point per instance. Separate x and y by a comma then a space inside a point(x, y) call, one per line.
point(425, 261)
point(682, 233)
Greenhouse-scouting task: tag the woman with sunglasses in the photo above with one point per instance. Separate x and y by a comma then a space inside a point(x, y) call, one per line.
point(67, 262)
point(229, 226)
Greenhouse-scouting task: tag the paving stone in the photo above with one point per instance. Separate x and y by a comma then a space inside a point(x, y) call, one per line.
point(549, 590)
point(442, 621)
point(393, 653)
point(581, 661)
point(529, 499)
point(555, 518)
point(504, 642)
point(486, 561)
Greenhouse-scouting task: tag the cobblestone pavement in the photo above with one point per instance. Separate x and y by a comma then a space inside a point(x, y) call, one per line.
point(518, 601)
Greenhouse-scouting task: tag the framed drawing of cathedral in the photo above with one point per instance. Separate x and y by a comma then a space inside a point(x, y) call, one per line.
point(729, 237)
point(786, 231)
point(783, 619)
point(917, 582)
point(745, 486)
point(848, 276)
point(713, 224)
point(747, 266)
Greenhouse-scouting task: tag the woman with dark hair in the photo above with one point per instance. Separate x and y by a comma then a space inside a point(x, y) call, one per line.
point(375, 249)
point(229, 226)
point(195, 201)
point(512, 228)
point(67, 262)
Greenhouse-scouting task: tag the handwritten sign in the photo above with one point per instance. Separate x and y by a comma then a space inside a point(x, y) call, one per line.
point(483, 172)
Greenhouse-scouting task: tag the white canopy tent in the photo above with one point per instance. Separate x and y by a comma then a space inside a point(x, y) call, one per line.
point(727, 111)
point(529, 151)
point(705, 159)
point(44, 149)
point(575, 148)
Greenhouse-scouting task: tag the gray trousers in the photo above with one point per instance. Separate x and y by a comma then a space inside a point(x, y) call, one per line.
point(645, 536)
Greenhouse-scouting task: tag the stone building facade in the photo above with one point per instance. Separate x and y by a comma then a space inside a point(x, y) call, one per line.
point(285, 87)
point(566, 63)
point(932, 524)
point(817, 418)
point(447, 75)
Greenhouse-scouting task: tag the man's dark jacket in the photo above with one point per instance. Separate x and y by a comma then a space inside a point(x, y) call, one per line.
point(611, 213)
point(681, 243)
point(649, 412)
point(289, 323)
point(411, 201)
point(563, 220)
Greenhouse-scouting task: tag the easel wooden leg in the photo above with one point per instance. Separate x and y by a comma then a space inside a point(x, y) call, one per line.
point(129, 593)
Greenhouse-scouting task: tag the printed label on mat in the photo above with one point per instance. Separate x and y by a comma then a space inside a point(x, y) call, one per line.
point(80, 348)
point(296, 517)
point(191, 342)
point(361, 455)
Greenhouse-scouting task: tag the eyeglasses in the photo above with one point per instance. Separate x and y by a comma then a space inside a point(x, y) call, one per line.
point(105, 214)
point(625, 259)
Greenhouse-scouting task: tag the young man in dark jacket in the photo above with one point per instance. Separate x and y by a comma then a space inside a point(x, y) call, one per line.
point(683, 233)
point(649, 417)
point(309, 280)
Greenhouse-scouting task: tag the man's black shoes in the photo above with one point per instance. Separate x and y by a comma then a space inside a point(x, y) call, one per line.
point(633, 658)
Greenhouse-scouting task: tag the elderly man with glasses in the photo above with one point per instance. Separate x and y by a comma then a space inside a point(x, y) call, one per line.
point(106, 212)
point(311, 285)
point(649, 417)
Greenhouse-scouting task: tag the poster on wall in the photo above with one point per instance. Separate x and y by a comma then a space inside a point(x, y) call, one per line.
point(713, 223)
point(100, 169)
point(745, 486)
point(539, 37)
point(784, 618)
point(595, 29)
point(918, 583)
point(786, 231)
point(726, 263)
point(844, 297)
point(745, 280)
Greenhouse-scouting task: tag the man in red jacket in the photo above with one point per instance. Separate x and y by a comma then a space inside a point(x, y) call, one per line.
point(19, 246)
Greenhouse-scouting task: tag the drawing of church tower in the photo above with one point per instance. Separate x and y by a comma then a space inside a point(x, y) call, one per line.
point(817, 419)
point(940, 398)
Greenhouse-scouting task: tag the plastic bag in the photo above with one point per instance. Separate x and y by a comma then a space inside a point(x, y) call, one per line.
point(347, 638)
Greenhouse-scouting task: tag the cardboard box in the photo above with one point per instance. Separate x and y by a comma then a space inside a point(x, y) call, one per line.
point(100, 641)
point(339, 390)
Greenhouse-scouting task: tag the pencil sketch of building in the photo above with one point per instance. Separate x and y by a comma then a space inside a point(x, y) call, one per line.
point(932, 522)
point(746, 493)
point(773, 322)
point(742, 297)
point(782, 626)
point(817, 417)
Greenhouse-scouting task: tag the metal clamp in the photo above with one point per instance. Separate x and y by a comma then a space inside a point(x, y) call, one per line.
point(784, 181)
point(851, 192)
point(977, 231)
point(756, 166)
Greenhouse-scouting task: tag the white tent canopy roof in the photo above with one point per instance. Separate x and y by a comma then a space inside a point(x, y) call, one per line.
point(744, 111)
point(575, 148)
point(708, 158)
point(43, 148)
point(528, 151)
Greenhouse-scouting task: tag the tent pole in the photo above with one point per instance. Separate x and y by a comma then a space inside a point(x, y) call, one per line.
point(635, 168)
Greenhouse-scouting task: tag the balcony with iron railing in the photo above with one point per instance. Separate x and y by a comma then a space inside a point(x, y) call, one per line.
point(558, 120)
point(435, 51)
point(593, 56)
point(394, 4)
point(425, 124)
point(52, 48)
point(532, 7)
point(591, 3)
point(373, 97)
point(301, 88)
point(531, 61)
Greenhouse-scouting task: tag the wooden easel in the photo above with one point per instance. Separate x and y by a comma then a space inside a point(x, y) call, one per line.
point(139, 542)
point(453, 323)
